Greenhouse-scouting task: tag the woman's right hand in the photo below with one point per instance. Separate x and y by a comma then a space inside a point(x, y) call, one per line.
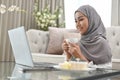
point(65, 46)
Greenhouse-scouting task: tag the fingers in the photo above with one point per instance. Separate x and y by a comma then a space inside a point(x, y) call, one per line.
point(73, 44)
point(65, 45)
point(65, 41)
point(72, 49)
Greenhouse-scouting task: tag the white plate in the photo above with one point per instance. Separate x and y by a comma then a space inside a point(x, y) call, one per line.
point(88, 69)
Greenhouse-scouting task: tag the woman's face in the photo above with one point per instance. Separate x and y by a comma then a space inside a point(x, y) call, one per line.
point(81, 22)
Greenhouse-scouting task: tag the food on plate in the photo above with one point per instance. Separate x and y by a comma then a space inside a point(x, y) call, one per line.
point(79, 65)
point(65, 65)
point(74, 65)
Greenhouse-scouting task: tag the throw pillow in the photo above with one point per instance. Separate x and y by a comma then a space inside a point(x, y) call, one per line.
point(55, 40)
point(56, 36)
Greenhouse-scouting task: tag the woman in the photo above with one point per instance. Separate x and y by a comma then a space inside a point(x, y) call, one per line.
point(93, 45)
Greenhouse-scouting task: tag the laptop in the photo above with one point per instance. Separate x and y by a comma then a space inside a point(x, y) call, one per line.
point(17, 73)
point(21, 49)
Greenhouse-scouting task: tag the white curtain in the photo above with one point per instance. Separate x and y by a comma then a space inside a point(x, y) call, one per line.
point(12, 20)
point(115, 18)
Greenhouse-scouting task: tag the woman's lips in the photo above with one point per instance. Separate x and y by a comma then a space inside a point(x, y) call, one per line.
point(80, 29)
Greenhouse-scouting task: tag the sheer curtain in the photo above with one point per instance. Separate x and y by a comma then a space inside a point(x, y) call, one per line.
point(10, 20)
point(115, 18)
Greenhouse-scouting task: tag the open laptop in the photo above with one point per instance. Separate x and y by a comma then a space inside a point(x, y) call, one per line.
point(21, 49)
point(17, 73)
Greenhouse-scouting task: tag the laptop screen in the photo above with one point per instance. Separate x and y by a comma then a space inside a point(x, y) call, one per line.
point(20, 46)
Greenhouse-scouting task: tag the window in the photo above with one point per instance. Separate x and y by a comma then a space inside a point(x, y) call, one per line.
point(103, 7)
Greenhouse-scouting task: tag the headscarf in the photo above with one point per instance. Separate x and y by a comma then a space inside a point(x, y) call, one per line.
point(93, 43)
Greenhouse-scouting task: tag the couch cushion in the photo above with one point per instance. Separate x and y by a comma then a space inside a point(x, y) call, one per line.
point(38, 40)
point(56, 36)
point(113, 36)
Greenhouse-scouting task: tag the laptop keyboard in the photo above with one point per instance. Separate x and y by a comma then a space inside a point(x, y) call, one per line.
point(41, 66)
point(44, 64)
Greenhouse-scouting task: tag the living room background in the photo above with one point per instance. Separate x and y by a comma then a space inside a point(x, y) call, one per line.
point(10, 20)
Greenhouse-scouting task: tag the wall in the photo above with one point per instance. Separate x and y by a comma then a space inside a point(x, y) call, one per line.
point(103, 7)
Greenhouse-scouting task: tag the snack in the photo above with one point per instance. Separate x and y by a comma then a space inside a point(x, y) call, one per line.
point(65, 65)
point(73, 65)
point(79, 65)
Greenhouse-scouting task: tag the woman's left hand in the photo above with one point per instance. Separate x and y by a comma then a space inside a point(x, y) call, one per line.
point(74, 49)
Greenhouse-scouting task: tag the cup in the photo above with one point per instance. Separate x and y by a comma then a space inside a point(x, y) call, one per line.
point(72, 40)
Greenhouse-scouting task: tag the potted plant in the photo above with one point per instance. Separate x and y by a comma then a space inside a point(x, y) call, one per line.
point(45, 18)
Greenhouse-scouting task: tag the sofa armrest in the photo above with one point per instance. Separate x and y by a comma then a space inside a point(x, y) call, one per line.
point(116, 63)
point(48, 58)
point(116, 60)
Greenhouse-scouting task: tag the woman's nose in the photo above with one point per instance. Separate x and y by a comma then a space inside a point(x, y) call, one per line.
point(78, 25)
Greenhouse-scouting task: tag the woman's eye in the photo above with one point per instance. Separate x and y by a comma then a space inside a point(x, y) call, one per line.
point(81, 19)
point(75, 21)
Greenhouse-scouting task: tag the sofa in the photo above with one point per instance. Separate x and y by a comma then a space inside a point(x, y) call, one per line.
point(113, 36)
point(46, 45)
point(39, 42)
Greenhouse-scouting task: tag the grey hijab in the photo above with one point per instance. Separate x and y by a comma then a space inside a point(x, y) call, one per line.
point(93, 43)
